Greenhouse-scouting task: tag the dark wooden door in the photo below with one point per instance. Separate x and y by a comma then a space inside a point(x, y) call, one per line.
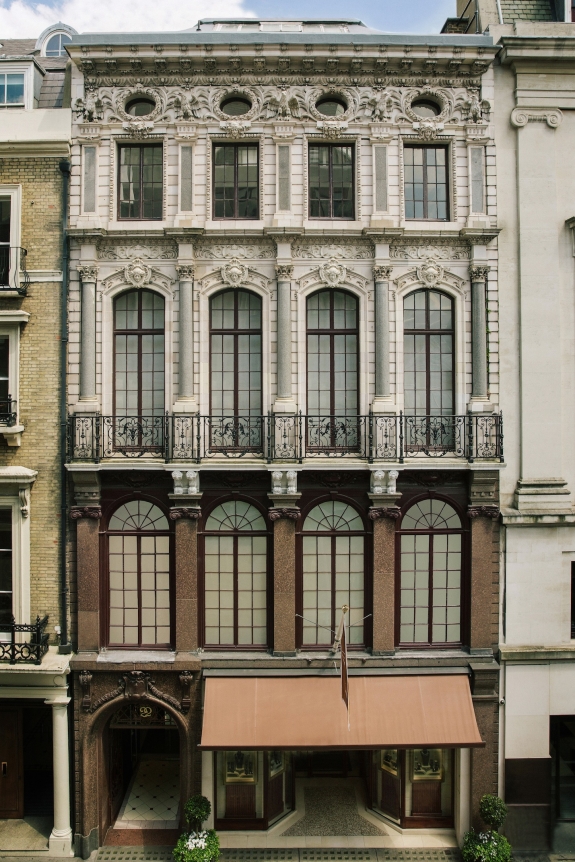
point(390, 794)
point(11, 765)
point(426, 798)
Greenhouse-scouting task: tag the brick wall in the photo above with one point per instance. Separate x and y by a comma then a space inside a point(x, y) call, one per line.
point(527, 10)
point(41, 235)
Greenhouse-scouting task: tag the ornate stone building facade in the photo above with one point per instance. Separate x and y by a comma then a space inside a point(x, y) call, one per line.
point(34, 634)
point(283, 387)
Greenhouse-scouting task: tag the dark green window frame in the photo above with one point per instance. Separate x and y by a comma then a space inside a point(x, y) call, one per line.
point(331, 181)
point(141, 190)
point(236, 181)
point(426, 185)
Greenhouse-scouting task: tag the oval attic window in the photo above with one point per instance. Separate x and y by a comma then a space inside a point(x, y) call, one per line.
point(140, 107)
point(424, 108)
point(331, 107)
point(235, 107)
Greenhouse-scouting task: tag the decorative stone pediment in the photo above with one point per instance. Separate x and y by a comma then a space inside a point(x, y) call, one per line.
point(430, 273)
point(333, 273)
point(137, 273)
point(235, 273)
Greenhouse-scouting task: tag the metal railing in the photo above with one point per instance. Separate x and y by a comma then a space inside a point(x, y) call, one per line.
point(14, 649)
point(285, 437)
point(8, 414)
point(13, 273)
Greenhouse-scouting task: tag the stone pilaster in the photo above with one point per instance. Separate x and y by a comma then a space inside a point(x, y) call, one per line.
point(185, 512)
point(284, 402)
point(89, 277)
point(382, 400)
point(483, 512)
point(479, 391)
point(384, 513)
point(284, 515)
point(186, 402)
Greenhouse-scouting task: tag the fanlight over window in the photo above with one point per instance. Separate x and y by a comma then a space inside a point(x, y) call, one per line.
point(55, 45)
point(235, 515)
point(431, 515)
point(138, 515)
point(332, 573)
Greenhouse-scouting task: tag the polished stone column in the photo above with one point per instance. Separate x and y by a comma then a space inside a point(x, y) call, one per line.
point(87, 514)
point(381, 276)
point(89, 276)
point(60, 843)
point(478, 276)
point(186, 360)
point(186, 513)
point(284, 515)
point(384, 513)
point(284, 400)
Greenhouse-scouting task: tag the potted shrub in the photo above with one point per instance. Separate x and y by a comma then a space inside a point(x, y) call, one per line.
point(488, 846)
point(197, 844)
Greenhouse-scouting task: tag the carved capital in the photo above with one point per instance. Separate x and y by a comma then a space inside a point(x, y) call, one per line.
point(184, 512)
point(478, 273)
point(276, 514)
point(483, 512)
point(521, 116)
point(392, 512)
point(88, 273)
point(77, 512)
point(85, 680)
point(186, 272)
point(284, 272)
point(382, 273)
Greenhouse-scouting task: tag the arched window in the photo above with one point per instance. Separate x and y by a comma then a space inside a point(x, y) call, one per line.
point(236, 369)
point(428, 354)
point(139, 354)
point(139, 576)
point(430, 575)
point(55, 45)
point(332, 370)
point(332, 558)
point(235, 576)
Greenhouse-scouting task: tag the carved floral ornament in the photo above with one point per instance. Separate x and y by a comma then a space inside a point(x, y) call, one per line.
point(137, 273)
point(88, 273)
point(478, 273)
point(280, 102)
point(186, 272)
point(430, 273)
point(333, 272)
point(382, 273)
point(284, 272)
point(234, 273)
point(135, 686)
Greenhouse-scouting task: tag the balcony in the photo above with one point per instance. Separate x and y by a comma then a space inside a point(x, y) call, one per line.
point(13, 274)
point(8, 414)
point(285, 437)
point(13, 646)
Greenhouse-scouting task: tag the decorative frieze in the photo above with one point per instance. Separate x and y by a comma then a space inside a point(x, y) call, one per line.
point(248, 249)
point(134, 686)
point(441, 250)
point(151, 249)
point(346, 249)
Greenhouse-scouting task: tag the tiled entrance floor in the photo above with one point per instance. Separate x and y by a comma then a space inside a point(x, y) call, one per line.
point(152, 799)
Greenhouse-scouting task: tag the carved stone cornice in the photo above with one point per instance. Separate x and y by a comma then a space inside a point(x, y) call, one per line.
point(88, 273)
point(478, 272)
point(193, 514)
point(483, 512)
point(186, 272)
point(284, 272)
point(77, 512)
point(521, 116)
point(277, 513)
point(382, 273)
point(377, 512)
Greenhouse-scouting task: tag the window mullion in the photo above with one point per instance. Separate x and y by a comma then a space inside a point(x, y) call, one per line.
point(235, 599)
point(333, 585)
point(236, 193)
point(139, 587)
point(330, 163)
point(430, 593)
point(141, 202)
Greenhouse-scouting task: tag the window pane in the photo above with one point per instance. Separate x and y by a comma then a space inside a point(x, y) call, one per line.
point(5, 566)
point(236, 181)
point(14, 89)
point(425, 183)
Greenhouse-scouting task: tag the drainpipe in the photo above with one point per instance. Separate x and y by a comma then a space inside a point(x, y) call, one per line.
point(499, 14)
point(65, 647)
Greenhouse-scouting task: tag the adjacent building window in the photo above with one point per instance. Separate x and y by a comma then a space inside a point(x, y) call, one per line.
point(331, 184)
point(426, 187)
point(6, 582)
point(429, 602)
point(55, 45)
point(139, 576)
point(428, 354)
point(236, 181)
point(11, 90)
point(332, 574)
point(235, 576)
point(236, 370)
point(139, 354)
point(140, 192)
point(5, 237)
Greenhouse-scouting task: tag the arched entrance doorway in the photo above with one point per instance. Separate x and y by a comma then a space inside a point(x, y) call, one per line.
point(141, 748)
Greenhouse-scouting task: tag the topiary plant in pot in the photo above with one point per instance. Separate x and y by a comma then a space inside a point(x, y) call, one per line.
point(197, 845)
point(488, 846)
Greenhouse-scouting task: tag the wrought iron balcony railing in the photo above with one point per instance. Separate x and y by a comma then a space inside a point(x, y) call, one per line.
point(13, 646)
point(286, 437)
point(8, 413)
point(13, 273)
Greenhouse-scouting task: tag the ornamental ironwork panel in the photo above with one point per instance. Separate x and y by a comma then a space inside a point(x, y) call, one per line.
point(13, 646)
point(13, 273)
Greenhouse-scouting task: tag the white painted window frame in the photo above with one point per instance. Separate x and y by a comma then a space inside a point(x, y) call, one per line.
point(26, 69)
